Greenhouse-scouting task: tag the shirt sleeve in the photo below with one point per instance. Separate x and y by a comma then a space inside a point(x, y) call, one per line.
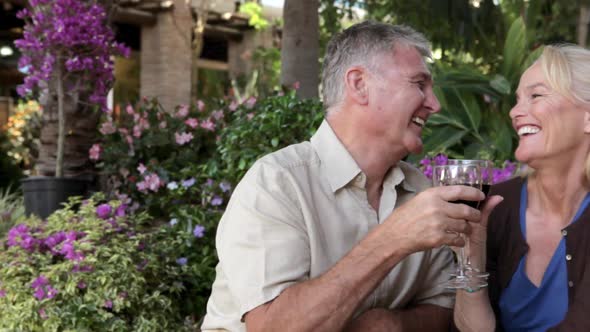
point(262, 242)
point(432, 289)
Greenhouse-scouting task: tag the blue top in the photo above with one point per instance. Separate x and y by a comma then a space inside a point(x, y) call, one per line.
point(526, 307)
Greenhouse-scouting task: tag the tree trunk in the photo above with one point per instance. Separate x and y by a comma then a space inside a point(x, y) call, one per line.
point(583, 21)
point(300, 47)
point(79, 135)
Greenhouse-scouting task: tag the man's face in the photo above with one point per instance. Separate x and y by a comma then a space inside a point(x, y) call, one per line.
point(401, 99)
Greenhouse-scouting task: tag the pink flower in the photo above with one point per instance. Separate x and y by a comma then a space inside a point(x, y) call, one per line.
point(129, 109)
point(153, 182)
point(182, 111)
point(42, 313)
point(200, 105)
point(141, 168)
point(183, 138)
point(94, 152)
point(233, 106)
point(217, 115)
point(208, 125)
point(192, 122)
point(251, 102)
point(107, 128)
point(163, 125)
point(296, 85)
point(136, 131)
point(250, 116)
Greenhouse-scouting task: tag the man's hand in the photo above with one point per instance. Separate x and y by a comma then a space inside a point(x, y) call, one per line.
point(430, 220)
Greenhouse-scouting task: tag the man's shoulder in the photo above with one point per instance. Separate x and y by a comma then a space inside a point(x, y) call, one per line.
point(292, 156)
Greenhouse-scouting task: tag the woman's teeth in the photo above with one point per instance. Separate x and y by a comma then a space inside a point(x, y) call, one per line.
point(418, 121)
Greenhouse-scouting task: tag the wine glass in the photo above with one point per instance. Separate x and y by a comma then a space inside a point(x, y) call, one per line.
point(467, 175)
point(486, 168)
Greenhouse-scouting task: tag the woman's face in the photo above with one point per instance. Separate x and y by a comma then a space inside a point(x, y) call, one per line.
point(551, 128)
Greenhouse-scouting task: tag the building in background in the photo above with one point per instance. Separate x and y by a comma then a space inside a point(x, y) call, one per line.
point(163, 35)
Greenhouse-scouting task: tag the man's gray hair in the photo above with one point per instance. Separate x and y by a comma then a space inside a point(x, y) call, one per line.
point(358, 45)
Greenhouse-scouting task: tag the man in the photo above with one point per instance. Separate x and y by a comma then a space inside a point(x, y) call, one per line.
point(338, 233)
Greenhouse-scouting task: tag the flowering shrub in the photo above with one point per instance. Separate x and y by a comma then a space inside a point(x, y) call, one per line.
point(68, 36)
point(500, 174)
point(22, 131)
point(146, 148)
point(97, 269)
point(181, 166)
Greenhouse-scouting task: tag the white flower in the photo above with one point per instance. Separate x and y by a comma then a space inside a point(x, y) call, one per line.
point(172, 185)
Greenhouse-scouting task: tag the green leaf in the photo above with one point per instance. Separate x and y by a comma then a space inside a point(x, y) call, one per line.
point(471, 109)
point(443, 138)
point(514, 49)
point(500, 84)
point(274, 142)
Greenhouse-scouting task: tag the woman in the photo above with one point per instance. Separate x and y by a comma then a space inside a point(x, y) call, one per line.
point(537, 247)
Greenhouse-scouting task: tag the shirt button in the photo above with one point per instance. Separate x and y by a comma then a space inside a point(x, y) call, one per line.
point(564, 232)
point(570, 283)
point(568, 257)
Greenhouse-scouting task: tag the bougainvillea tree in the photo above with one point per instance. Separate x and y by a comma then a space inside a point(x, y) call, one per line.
point(67, 54)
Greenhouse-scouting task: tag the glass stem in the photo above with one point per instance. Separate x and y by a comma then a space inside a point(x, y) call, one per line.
point(462, 258)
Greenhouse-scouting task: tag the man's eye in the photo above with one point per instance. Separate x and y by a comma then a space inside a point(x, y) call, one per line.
point(421, 84)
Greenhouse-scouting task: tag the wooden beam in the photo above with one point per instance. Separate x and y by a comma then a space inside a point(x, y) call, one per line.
point(134, 16)
point(212, 64)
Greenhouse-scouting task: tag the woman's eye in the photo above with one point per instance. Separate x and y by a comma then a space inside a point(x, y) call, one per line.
point(535, 95)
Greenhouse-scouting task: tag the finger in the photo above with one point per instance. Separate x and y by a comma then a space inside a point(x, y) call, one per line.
point(459, 192)
point(453, 240)
point(462, 211)
point(458, 226)
point(488, 206)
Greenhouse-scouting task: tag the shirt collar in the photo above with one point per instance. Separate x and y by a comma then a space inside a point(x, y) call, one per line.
point(342, 167)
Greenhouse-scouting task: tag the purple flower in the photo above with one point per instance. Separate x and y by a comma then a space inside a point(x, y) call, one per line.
point(199, 231)
point(39, 293)
point(441, 159)
point(40, 281)
point(182, 261)
point(188, 183)
point(173, 221)
point(103, 211)
point(51, 292)
point(426, 161)
point(2, 293)
point(108, 304)
point(120, 212)
point(81, 284)
point(216, 201)
point(224, 186)
point(428, 171)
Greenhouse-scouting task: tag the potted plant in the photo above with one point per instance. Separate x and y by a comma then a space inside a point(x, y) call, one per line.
point(67, 54)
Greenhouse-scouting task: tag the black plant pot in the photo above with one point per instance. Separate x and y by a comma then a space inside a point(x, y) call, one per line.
point(44, 195)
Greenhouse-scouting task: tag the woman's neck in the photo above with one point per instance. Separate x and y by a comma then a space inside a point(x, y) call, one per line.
point(555, 193)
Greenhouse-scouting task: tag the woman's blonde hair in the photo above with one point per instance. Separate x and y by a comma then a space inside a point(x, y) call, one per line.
point(567, 69)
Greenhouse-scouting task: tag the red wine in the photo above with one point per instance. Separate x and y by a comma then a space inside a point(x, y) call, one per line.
point(486, 189)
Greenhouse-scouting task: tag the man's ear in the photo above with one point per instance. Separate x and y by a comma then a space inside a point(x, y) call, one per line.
point(355, 81)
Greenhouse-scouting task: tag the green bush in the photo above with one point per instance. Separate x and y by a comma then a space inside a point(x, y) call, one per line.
point(273, 123)
point(10, 172)
point(98, 269)
point(12, 209)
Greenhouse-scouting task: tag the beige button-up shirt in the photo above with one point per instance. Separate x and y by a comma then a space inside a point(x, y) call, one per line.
point(295, 214)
